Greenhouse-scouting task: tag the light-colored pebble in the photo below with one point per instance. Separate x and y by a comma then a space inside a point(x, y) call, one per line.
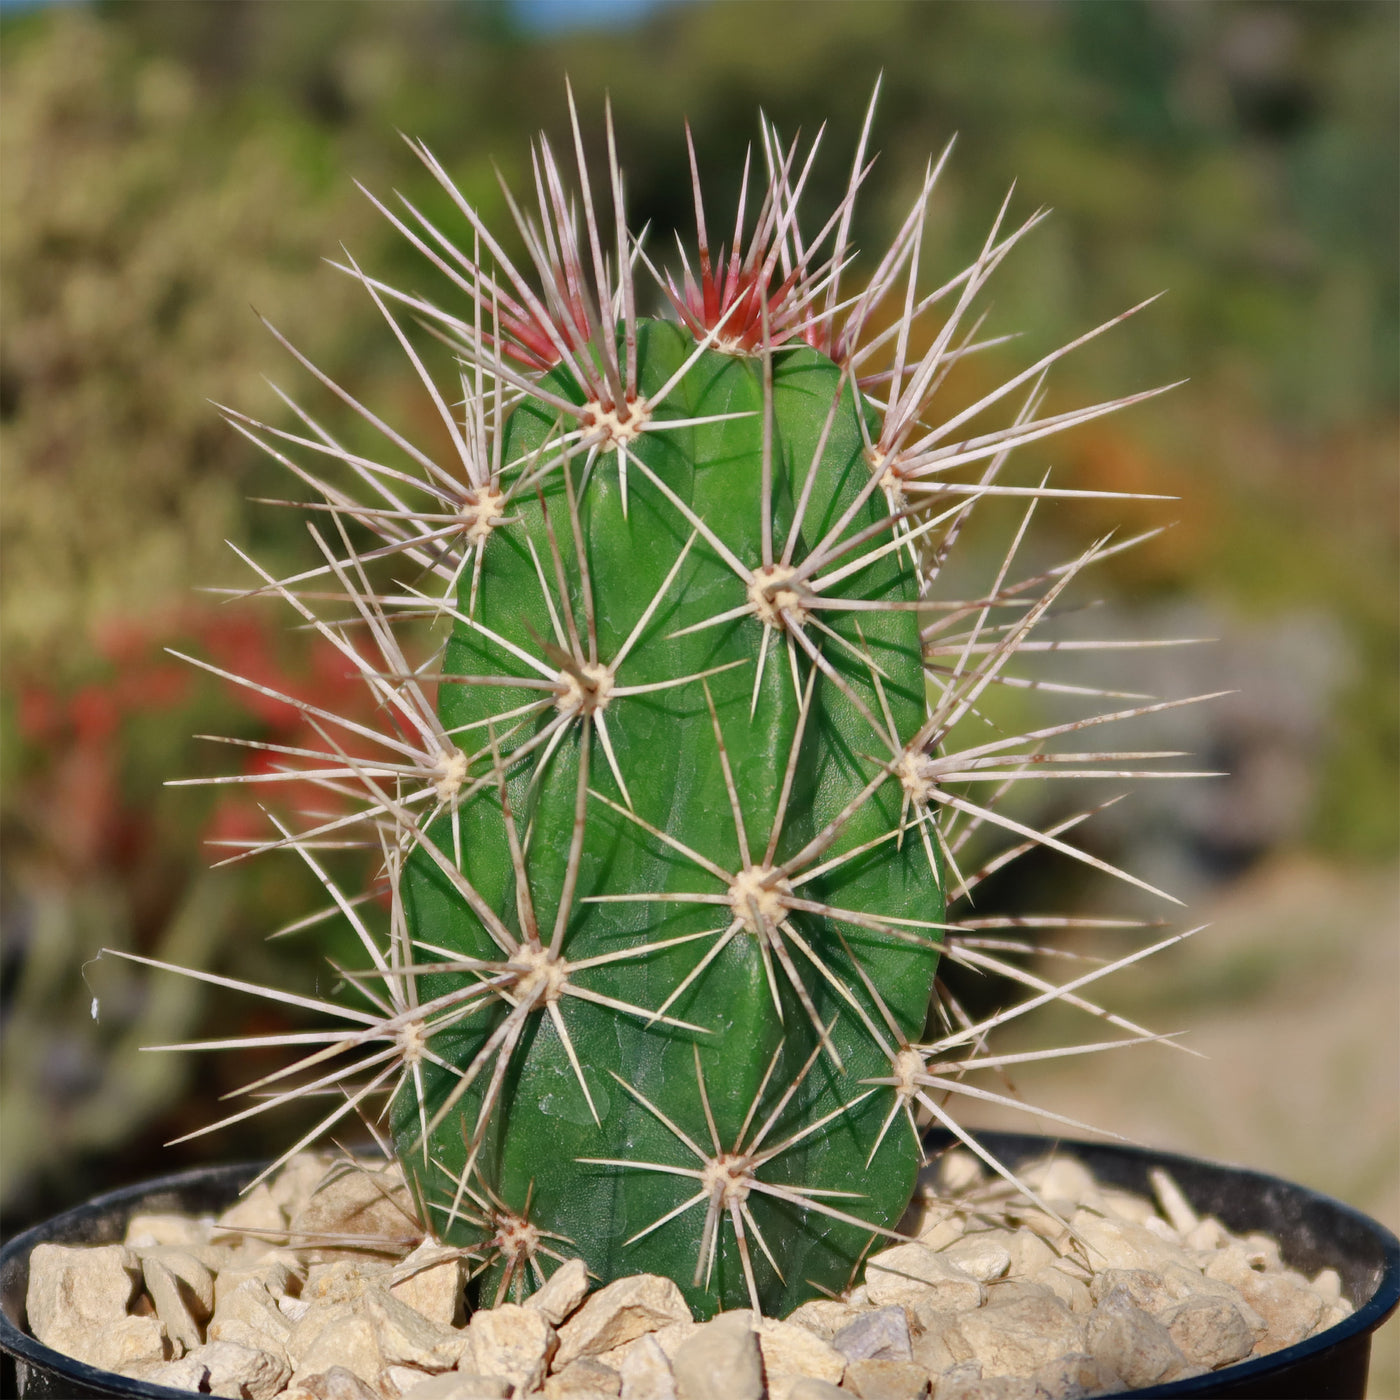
point(823, 1316)
point(431, 1281)
point(1143, 1288)
point(1013, 1338)
point(1075, 1377)
point(722, 1361)
point(241, 1371)
point(515, 1342)
point(562, 1293)
point(968, 1385)
point(791, 1352)
point(1208, 1331)
point(879, 1335)
point(343, 1281)
point(249, 1308)
point(886, 1380)
point(291, 1188)
point(279, 1271)
point(74, 1292)
point(254, 1216)
point(1134, 1343)
point(615, 1315)
point(1064, 1179)
point(334, 1334)
point(1119, 1244)
point(156, 1230)
point(460, 1385)
point(941, 1346)
point(181, 1308)
point(809, 1388)
point(983, 1256)
point(338, 1383)
point(1029, 1253)
point(908, 1272)
point(584, 1379)
point(1173, 1202)
point(355, 1200)
point(406, 1338)
point(1067, 1286)
point(646, 1371)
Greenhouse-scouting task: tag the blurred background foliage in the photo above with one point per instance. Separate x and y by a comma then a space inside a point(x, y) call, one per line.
point(167, 162)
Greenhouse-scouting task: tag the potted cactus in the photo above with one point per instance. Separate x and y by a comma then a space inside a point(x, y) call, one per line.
point(683, 742)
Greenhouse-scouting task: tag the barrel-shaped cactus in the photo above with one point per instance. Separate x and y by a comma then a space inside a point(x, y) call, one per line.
point(671, 818)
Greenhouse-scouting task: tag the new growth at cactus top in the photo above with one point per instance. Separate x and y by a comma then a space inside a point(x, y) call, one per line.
point(673, 814)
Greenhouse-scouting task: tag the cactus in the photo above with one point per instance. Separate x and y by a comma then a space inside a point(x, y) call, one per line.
point(670, 814)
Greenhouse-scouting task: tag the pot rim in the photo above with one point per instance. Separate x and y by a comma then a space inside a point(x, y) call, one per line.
point(1367, 1317)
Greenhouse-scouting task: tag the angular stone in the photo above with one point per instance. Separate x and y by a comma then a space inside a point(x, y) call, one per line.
point(668, 1338)
point(886, 1380)
point(256, 1216)
point(1143, 1288)
point(910, 1273)
point(406, 1338)
point(1072, 1291)
point(75, 1292)
point(646, 1371)
point(563, 1291)
point(188, 1373)
point(1208, 1235)
point(790, 1353)
point(512, 1341)
point(958, 1171)
point(983, 1256)
point(939, 1224)
point(343, 1281)
point(356, 1200)
point(824, 1317)
point(1029, 1253)
point(941, 1346)
point(966, 1384)
point(338, 1383)
point(1134, 1343)
point(334, 1334)
point(131, 1341)
point(1173, 1201)
point(617, 1314)
point(1074, 1377)
point(249, 1308)
point(1119, 1244)
point(1064, 1179)
point(722, 1361)
point(157, 1231)
point(879, 1335)
point(1328, 1286)
point(460, 1385)
point(1287, 1304)
point(1013, 1338)
point(1209, 1331)
point(809, 1388)
point(179, 1306)
point(241, 1371)
point(584, 1379)
point(278, 1271)
point(291, 1188)
point(1136, 1210)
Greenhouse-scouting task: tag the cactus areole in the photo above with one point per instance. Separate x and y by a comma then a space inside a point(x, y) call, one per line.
point(669, 809)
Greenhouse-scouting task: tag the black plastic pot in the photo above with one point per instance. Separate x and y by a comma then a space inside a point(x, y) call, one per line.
point(1314, 1232)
